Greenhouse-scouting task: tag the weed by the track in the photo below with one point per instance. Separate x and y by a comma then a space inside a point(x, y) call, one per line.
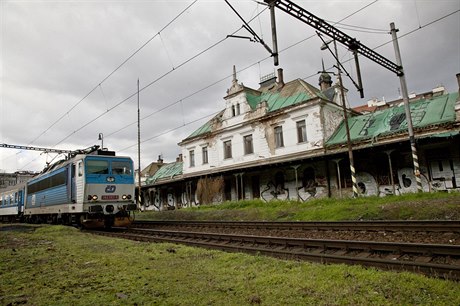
point(56, 265)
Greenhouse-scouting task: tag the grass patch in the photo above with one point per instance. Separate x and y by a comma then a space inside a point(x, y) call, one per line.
point(423, 206)
point(56, 265)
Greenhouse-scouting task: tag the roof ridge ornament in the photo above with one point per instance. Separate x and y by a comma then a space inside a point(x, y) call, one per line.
point(235, 80)
point(235, 86)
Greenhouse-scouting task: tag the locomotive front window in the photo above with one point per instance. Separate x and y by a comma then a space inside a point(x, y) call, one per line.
point(121, 167)
point(97, 167)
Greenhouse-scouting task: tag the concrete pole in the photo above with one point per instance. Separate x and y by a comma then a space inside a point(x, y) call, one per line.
point(242, 186)
point(138, 148)
point(388, 152)
point(236, 187)
point(274, 38)
point(347, 128)
point(337, 161)
point(296, 182)
point(405, 94)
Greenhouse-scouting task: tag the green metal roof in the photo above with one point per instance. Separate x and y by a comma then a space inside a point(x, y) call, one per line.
point(275, 100)
point(167, 171)
point(205, 128)
point(291, 93)
point(426, 112)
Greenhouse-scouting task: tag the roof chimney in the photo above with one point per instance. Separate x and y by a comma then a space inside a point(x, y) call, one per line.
point(280, 77)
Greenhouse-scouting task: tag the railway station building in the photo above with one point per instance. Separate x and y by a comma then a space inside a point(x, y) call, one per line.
point(8, 180)
point(287, 140)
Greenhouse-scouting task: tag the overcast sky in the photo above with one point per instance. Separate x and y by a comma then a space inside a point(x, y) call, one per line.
point(60, 86)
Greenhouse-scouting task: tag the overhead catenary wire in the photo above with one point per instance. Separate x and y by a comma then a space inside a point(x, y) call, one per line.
point(285, 50)
point(113, 71)
point(162, 76)
point(166, 50)
point(289, 47)
point(240, 70)
point(401, 36)
point(104, 79)
point(351, 27)
point(159, 78)
point(257, 63)
point(142, 89)
point(171, 130)
point(150, 84)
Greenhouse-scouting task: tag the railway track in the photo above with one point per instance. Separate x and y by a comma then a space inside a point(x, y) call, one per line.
point(438, 260)
point(419, 226)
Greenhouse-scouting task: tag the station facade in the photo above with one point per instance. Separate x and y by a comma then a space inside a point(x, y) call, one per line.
point(287, 140)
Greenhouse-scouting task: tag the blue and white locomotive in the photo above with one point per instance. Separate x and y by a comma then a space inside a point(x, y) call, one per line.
point(91, 190)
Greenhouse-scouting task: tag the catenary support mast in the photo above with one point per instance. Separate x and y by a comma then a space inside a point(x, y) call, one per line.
point(322, 26)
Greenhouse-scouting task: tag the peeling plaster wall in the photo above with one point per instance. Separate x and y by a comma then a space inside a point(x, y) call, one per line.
point(312, 117)
point(333, 116)
point(235, 128)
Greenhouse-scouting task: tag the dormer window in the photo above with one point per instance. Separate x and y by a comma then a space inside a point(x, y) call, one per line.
point(236, 109)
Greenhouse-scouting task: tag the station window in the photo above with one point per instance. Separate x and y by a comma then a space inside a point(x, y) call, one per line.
point(279, 142)
point(248, 145)
point(301, 131)
point(227, 149)
point(204, 152)
point(192, 158)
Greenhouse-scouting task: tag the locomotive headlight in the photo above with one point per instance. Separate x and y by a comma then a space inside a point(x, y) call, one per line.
point(129, 197)
point(94, 198)
point(124, 197)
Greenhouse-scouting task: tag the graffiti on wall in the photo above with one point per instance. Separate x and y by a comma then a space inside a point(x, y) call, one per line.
point(274, 191)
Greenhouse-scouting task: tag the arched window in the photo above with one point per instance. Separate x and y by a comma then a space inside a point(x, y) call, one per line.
point(308, 179)
point(279, 180)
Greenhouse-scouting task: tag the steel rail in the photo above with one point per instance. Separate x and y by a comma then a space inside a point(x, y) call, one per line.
point(419, 225)
point(397, 256)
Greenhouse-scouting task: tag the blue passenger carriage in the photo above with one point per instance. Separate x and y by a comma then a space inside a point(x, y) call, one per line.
point(12, 203)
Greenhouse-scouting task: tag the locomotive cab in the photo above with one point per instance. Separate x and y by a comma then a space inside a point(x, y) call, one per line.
point(108, 190)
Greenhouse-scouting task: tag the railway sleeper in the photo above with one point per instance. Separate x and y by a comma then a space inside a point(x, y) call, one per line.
point(423, 258)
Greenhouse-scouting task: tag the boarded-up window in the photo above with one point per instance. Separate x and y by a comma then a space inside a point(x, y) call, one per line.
point(192, 158)
point(248, 146)
point(227, 149)
point(301, 131)
point(279, 142)
point(204, 152)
